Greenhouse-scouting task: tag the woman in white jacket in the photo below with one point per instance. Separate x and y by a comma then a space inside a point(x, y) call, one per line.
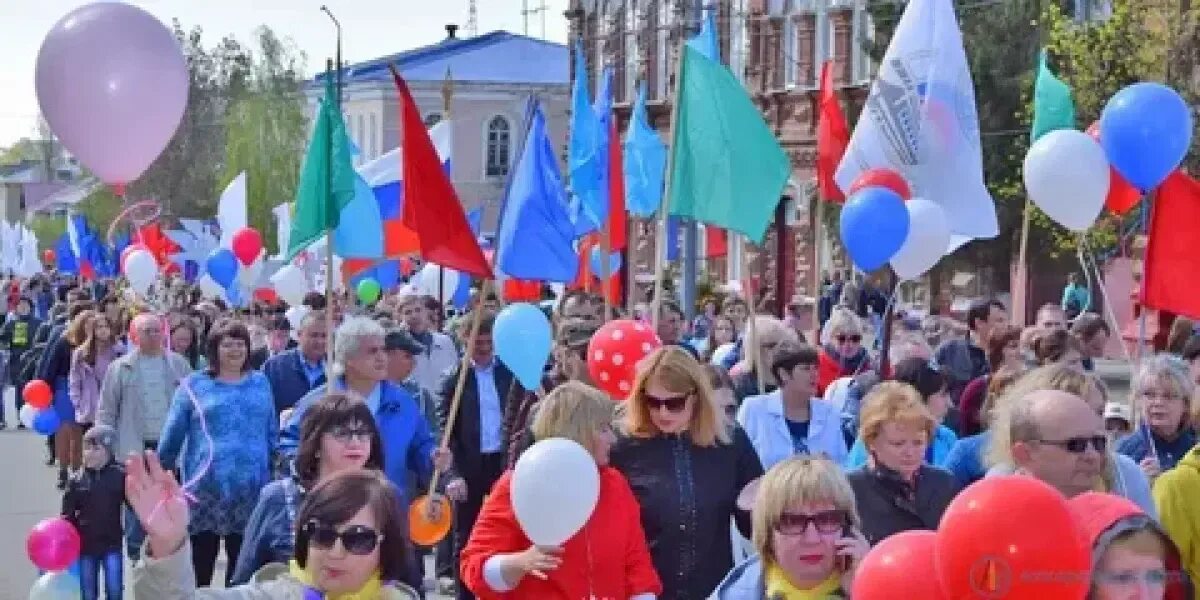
point(792, 420)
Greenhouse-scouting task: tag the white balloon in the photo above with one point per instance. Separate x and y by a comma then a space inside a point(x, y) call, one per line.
point(295, 315)
point(210, 289)
point(290, 284)
point(28, 413)
point(427, 282)
point(141, 270)
point(928, 237)
point(555, 486)
point(1067, 176)
point(249, 275)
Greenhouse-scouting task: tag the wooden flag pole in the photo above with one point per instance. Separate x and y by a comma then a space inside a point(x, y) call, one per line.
point(1020, 301)
point(660, 241)
point(818, 226)
point(605, 268)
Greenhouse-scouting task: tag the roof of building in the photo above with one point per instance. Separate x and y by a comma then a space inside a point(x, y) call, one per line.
point(496, 57)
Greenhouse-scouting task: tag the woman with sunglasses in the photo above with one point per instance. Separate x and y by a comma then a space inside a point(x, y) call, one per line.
point(687, 464)
point(350, 542)
point(607, 558)
point(806, 534)
point(842, 351)
point(338, 434)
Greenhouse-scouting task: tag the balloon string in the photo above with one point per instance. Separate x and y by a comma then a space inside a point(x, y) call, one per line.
point(185, 489)
point(137, 220)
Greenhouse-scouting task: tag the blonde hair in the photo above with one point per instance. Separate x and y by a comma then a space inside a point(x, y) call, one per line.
point(997, 389)
point(77, 331)
point(1170, 373)
point(893, 401)
point(675, 369)
point(1052, 377)
point(797, 480)
point(575, 411)
point(841, 319)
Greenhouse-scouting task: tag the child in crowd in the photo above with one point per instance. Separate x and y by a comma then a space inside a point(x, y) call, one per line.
point(92, 502)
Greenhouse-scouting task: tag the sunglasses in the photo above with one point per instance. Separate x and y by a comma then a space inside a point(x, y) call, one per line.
point(853, 338)
point(672, 403)
point(356, 539)
point(827, 522)
point(1079, 445)
point(346, 434)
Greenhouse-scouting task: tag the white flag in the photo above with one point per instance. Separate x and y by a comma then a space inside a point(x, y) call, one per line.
point(920, 121)
point(231, 210)
point(283, 227)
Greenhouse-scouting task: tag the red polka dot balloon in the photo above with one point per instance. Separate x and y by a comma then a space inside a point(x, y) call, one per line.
point(614, 352)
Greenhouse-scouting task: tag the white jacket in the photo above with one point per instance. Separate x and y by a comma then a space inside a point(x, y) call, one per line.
point(432, 364)
point(763, 419)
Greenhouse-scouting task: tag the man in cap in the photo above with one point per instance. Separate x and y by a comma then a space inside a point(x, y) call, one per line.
point(402, 351)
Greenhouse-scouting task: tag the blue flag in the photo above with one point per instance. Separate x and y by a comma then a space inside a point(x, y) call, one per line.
point(673, 224)
point(64, 256)
point(535, 237)
point(585, 155)
point(706, 41)
point(645, 162)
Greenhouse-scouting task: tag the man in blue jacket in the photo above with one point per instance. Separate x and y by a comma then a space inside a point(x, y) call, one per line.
point(296, 372)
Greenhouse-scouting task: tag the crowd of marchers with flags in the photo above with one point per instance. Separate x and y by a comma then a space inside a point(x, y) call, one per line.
point(395, 408)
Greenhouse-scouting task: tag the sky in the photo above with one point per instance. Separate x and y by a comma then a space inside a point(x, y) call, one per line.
point(371, 28)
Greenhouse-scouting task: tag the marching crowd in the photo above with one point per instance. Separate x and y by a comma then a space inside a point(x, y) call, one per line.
point(746, 462)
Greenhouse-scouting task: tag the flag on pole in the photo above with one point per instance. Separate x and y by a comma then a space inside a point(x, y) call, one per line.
point(82, 244)
point(645, 161)
point(1171, 259)
point(231, 209)
point(706, 41)
point(1053, 107)
point(833, 135)
point(727, 168)
point(585, 153)
point(613, 178)
point(437, 219)
point(920, 121)
point(327, 177)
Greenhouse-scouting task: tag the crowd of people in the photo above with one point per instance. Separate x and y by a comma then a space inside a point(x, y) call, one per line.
point(745, 463)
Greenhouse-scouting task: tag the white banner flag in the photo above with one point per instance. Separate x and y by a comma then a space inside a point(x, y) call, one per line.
point(920, 121)
point(231, 209)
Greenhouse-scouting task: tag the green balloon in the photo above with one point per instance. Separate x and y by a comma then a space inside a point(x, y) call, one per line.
point(368, 291)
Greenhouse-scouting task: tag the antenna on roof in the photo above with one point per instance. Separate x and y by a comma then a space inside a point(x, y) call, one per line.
point(526, 11)
point(472, 19)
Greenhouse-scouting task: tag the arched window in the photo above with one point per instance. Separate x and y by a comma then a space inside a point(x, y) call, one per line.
point(432, 119)
point(498, 136)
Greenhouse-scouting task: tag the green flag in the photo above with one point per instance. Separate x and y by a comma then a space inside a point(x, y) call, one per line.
point(1053, 107)
point(727, 168)
point(326, 178)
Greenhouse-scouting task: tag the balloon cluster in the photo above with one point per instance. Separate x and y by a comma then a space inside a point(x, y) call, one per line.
point(38, 414)
point(882, 221)
point(983, 548)
point(1143, 135)
point(234, 272)
point(53, 545)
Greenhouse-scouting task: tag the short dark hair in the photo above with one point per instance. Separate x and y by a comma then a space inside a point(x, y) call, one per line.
point(997, 342)
point(314, 300)
point(337, 500)
point(337, 409)
point(1087, 325)
point(223, 329)
point(788, 356)
point(980, 310)
point(917, 372)
point(486, 323)
point(1052, 346)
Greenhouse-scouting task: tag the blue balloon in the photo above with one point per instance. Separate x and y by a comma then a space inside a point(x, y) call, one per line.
point(1146, 130)
point(874, 225)
point(522, 338)
point(46, 422)
point(222, 266)
point(596, 260)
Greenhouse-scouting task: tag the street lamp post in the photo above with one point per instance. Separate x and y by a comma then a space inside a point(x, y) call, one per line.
point(338, 55)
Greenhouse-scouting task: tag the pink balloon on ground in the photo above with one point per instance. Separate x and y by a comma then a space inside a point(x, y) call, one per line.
point(53, 544)
point(112, 83)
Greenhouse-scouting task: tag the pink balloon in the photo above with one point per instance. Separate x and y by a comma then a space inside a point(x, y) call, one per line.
point(53, 544)
point(113, 84)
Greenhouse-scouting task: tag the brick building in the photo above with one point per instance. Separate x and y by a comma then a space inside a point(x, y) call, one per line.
point(776, 47)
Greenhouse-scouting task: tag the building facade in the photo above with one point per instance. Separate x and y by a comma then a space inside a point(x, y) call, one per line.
point(481, 84)
point(777, 48)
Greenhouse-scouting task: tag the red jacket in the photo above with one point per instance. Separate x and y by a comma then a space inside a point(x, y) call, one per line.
point(830, 370)
point(619, 565)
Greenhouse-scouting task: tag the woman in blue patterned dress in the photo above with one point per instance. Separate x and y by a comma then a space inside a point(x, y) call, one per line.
point(222, 430)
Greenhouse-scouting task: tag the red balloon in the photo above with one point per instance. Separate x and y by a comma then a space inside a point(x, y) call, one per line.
point(246, 244)
point(891, 566)
point(53, 544)
point(1122, 196)
point(614, 352)
point(882, 178)
point(266, 294)
point(1011, 537)
point(48, 256)
point(37, 393)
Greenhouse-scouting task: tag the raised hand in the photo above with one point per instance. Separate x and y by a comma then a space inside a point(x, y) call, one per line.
point(158, 501)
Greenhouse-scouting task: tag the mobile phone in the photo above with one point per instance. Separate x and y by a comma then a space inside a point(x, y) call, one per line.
point(843, 561)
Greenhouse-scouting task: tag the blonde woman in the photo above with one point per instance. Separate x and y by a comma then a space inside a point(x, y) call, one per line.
point(687, 464)
point(1163, 402)
point(897, 490)
point(767, 334)
point(842, 351)
point(806, 533)
point(1049, 425)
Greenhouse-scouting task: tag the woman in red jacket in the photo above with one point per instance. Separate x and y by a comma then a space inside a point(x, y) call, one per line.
point(608, 558)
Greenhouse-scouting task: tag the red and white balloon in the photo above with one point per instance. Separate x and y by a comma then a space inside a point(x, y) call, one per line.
point(614, 352)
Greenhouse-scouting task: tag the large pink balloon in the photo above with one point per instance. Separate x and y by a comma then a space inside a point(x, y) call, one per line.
point(113, 84)
point(53, 544)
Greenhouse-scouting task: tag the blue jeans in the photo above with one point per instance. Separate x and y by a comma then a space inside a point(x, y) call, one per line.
point(89, 575)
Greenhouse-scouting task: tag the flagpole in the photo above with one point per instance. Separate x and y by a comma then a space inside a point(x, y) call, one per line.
point(1019, 299)
point(660, 241)
point(447, 96)
point(818, 225)
point(329, 286)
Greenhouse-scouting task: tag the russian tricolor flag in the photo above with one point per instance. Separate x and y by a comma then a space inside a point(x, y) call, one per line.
point(81, 240)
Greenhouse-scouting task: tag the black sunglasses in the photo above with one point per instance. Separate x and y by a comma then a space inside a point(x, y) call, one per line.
point(826, 521)
point(672, 403)
point(356, 539)
point(1079, 445)
point(842, 339)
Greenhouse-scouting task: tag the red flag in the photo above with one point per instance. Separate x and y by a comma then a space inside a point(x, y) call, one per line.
point(431, 206)
point(715, 242)
point(833, 135)
point(521, 290)
point(616, 189)
point(152, 237)
point(1172, 262)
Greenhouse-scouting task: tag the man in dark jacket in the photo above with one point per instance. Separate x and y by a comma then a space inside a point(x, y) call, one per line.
point(18, 336)
point(300, 370)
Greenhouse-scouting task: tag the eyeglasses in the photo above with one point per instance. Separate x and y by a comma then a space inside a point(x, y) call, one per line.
point(346, 434)
point(852, 338)
point(1152, 577)
point(827, 522)
point(672, 403)
point(356, 539)
point(1079, 445)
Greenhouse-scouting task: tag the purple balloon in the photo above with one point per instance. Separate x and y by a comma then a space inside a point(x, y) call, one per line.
point(113, 84)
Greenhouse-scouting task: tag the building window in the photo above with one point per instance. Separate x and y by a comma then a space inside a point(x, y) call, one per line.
point(791, 51)
point(359, 139)
point(498, 138)
point(862, 36)
point(662, 60)
point(374, 137)
point(432, 119)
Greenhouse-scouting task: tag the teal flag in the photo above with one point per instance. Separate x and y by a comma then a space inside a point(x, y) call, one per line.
point(1053, 107)
point(727, 168)
point(327, 177)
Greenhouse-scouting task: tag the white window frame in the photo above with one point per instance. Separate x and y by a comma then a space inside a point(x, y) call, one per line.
point(360, 139)
point(737, 39)
point(862, 31)
point(632, 51)
point(487, 146)
point(373, 134)
point(789, 51)
point(662, 49)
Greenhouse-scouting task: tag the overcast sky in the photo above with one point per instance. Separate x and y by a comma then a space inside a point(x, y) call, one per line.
point(372, 28)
